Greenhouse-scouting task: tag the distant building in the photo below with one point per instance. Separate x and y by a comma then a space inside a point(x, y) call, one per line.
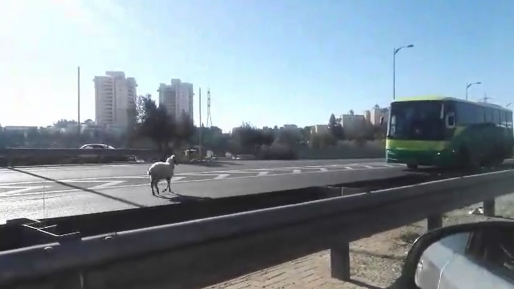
point(352, 124)
point(319, 129)
point(177, 98)
point(376, 113)
point(290, 126)
point(115, 98)
point(352, 120)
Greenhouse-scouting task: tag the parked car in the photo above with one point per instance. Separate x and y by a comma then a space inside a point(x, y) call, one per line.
point(96, 146)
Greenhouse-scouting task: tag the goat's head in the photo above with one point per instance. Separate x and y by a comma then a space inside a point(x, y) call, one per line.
point(172, 161)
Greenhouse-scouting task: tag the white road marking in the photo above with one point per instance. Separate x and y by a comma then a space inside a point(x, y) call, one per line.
point(207, 173)
point(262, 174)
point(368, 167)
point(20, 189)
point(323, 170)
point(297, 171)
point(222, 176)
point(186, 181)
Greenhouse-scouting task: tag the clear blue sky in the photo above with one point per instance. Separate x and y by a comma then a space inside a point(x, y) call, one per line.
point(266, 62)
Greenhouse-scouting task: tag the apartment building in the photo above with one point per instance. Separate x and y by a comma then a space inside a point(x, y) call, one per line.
point(374, 115)
point(177, 97)
point(115, 98)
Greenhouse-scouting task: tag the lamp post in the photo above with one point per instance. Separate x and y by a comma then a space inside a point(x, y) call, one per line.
point(395, 50)
point(470, 84)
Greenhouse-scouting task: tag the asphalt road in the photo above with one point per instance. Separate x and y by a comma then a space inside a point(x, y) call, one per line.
point(43, 192)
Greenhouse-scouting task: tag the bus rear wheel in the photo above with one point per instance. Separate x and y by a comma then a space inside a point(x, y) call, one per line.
point(467, 161)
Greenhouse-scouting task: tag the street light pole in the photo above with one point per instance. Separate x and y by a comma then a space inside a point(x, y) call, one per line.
point(78, 99)
point(395, 50)
point(470, 84)
point(200, 125)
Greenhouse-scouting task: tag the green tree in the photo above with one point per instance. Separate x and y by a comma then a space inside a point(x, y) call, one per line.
point(247, 138)
point(335, 128)
point(63, 123)
point(185, 129)
point(154, 122)
point(289, 137)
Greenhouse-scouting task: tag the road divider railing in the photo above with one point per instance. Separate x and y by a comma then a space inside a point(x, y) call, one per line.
point(207, 251)
point(27, 157)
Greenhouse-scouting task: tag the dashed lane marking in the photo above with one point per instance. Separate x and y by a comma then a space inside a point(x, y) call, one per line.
point(222, 176)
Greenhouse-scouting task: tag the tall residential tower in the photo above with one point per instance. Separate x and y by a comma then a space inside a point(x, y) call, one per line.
point(115, 98)
point(177, 98)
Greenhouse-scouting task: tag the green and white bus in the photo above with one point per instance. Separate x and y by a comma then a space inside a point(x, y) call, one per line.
point(448, 132)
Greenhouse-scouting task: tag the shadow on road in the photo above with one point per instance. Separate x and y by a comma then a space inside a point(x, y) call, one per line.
point(77, 187)
point(177, 198)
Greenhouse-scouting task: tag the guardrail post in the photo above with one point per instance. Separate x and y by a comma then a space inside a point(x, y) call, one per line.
point(434, 222)
point(340, 261)
point(489, 208)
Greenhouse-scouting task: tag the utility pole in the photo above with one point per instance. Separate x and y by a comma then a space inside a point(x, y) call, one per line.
point(200, 125)
point(78, 95)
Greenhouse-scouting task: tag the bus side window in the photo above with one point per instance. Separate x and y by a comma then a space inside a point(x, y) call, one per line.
point(496, 115)
point(488, 115)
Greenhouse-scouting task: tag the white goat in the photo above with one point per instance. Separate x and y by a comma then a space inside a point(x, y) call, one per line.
point(162, 170)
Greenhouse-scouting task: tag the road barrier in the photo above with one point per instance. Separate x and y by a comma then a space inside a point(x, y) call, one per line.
point(207, 251)
point(11, 157)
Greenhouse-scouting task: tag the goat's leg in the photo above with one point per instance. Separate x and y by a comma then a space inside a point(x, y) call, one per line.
point(157, 187)
point(168, 187)
point(152, 181)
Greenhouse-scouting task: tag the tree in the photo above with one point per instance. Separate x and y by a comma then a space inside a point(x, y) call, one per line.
point(306, 133)
point(154, 122)
point(63, 123)
point(185, 128)
point(289, 137)
point(267, 137)
point(247, 138)
point(335, 128)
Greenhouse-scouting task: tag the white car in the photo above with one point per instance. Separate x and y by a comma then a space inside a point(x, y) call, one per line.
point(96, 146)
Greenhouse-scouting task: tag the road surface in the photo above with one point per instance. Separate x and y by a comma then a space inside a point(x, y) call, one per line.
point(44, 192)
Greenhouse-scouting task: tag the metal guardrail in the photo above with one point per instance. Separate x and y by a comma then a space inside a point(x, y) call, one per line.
point(207, 251)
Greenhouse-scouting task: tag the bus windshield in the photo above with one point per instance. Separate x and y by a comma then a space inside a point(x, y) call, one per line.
point(416, 120)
